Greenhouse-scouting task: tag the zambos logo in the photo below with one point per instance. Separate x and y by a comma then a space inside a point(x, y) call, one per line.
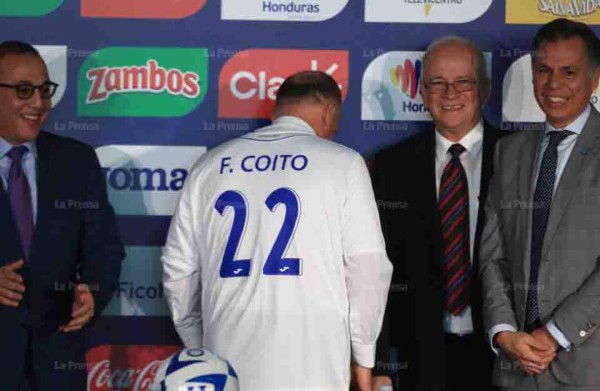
point(150, 82)
point(542, 11)
point(28, 7)
point(407, 77)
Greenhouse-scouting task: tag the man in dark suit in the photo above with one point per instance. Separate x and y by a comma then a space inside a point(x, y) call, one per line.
point(60, 256)
point(541, 242)
point(428, 189)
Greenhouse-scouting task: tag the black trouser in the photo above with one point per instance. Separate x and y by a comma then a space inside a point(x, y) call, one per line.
point(468, 363)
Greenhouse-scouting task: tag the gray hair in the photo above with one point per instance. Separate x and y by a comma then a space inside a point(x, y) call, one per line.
point(481, 69)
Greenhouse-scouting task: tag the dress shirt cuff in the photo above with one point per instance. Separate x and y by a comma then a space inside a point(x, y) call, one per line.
point(364, 355)
point(558, 335)
point(497, 329)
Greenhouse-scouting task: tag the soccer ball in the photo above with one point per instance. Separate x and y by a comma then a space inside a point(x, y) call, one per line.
point(195, 370)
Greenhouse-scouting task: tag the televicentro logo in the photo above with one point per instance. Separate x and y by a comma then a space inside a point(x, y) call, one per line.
point(152, 82)
point(425, 11)
point(249, 81)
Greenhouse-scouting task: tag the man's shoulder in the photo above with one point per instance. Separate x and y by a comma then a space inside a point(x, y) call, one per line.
point(61, 144)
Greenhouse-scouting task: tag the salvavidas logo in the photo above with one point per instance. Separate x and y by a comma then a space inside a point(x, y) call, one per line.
point(292, 10)
point(249, 81)
point(391, 88)
point(425, 11)
point(146, 9)
point(151, 82)
point(146, 180)
point(28, 7)
point(140, 292)
point(542, 11)
point(55, 58)
point(518, 99)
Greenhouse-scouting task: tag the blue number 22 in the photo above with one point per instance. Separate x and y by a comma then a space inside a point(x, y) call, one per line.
point(275, 264)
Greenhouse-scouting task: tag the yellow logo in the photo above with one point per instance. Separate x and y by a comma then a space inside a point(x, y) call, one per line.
point(543, 11)
point(427, 9)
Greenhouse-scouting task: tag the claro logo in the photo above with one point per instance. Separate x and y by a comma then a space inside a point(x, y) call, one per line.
point(146, 179)
point(249, 81)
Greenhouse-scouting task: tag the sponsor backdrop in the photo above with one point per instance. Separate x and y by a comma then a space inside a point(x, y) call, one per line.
point(153, 84)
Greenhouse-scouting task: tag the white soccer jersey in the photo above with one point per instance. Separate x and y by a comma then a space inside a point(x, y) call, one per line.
point(275, 259)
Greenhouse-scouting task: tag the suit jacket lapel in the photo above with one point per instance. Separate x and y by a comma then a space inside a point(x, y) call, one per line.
point(528, 156)
point(45, 196)
point(586, 142)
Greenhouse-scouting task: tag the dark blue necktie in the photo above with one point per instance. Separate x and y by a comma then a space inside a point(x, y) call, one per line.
point(542, 200)
point(19, 195)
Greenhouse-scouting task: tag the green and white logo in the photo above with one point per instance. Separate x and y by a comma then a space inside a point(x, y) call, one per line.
point(28, 7)
point(142, 82)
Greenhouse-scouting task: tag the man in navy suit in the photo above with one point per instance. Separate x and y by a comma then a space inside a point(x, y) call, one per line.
point(60, 256)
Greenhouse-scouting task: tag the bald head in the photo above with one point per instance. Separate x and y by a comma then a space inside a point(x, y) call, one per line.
point(312, 96)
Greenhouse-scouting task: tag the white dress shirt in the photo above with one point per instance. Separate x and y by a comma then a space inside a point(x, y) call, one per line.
point(471, 162)
point(564, 150)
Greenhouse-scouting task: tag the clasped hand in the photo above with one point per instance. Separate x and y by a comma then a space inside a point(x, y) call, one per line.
point(534, 351)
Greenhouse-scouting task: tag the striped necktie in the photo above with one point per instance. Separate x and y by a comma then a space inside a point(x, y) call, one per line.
point(453, 204)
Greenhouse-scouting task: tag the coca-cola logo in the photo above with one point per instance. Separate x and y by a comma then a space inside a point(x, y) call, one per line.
point(125, 368)
point(103, 377)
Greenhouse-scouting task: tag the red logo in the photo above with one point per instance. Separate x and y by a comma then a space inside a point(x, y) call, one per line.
point(147, 9)
point(249, 81)
point(146, 78)
point(125, 367)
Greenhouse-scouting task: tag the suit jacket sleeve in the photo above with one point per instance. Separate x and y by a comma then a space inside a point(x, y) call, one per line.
point(494, 267)
point(101, 251)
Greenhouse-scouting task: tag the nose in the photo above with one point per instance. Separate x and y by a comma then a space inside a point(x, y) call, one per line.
point(553, 80)
point(450, 91)
point(36, 99)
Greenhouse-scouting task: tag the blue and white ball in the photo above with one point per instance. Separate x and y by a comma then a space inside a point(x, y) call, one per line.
point(195, 370)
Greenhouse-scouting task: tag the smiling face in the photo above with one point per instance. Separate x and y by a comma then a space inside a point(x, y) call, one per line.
point(563, 80)
point(454, 113)
point(20, 120)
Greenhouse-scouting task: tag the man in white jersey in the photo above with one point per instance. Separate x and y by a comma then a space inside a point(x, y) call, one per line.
point(275, 258)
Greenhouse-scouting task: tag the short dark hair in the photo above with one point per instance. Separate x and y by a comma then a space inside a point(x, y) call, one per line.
point(17, 47)
point(303, 85)
point(561, 29)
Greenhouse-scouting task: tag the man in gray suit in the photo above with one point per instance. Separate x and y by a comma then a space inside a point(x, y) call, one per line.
point(540, 251)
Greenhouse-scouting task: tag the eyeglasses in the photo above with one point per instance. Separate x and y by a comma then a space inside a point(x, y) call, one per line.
point(25, 90)
point(460, 85)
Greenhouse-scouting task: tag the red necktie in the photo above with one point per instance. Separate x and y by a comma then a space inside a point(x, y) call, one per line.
point(454, 211)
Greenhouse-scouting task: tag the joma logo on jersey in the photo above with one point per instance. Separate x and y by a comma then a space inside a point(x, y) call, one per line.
point(151, 78)
point(249, 81)
point(142, 82)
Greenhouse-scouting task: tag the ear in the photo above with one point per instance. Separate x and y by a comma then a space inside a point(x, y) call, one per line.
point(595, 77)
point(330, 118)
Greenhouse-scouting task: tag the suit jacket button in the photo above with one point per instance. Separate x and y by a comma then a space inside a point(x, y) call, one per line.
point(582, 334)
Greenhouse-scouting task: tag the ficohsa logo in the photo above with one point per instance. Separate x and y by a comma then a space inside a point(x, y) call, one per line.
point(518, 99)
point(147, 82)
point(390, 88)
point(284, 10)
point(140, 292)
point(146, 180)
point(420, 12)
point(249, 81)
